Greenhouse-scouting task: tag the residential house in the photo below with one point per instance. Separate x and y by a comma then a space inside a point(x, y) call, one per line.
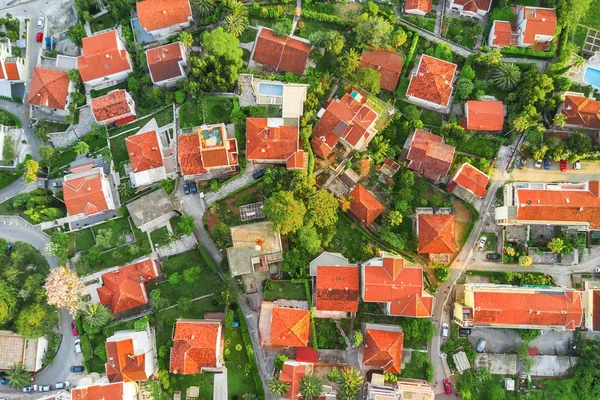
point(271, 141)
point(290, 327)
point(484, 115)
point(124, 289)
point(533, 27)
point(469, 182)
point(435, 232)
point(162, 20)
point(12, 68)
point(87, 192)
point(364, 206)
point(382, 347)
point(503, 306)
point(106, 391)
point(387, 63)
point(49, 91)
point(428, 155)
point(207, 152)
point(411, 389)
point(167, 64)
point(417, 7)
point(151, 211)
point(471, 8)
point(574, 205)
point(431, 84)
point(21, 350)
point(349, 121)
point(146, 154)
point(116, 107)
point(130, 356)
point(581, 111)
point(337, 286)
point(281, 53)
point(255, 247)
point(197, 346)
point(292, 373)
point(389, 168)
point(104, 62)
point(397, 285)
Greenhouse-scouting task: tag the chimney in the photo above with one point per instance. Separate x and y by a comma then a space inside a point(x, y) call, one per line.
point(164, 12)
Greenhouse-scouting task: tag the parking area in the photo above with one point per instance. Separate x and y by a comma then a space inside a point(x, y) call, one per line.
point(500, 341)
point(588, 171)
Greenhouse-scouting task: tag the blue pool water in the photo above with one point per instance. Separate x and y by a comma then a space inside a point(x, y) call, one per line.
point(592, 77)
point(270, 89)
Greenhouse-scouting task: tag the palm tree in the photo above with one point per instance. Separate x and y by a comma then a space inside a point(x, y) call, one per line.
point(125, 189)
point(277, 388)
point(556, 245)
point(235, 24)
point(96, 315)
point(311, 386)
point(203, 7)
point(17, 376)
point(506, 76)
point(577, 61)
point(351, 383)
point(236, 7)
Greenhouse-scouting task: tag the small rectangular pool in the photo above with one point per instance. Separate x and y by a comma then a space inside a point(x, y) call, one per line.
point(270, 89)
point(591, 76)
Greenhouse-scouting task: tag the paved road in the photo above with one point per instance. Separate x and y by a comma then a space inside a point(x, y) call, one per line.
point(22, 112)
point(15, 188)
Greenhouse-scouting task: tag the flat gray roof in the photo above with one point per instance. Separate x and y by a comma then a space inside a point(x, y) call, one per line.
point(149, 207)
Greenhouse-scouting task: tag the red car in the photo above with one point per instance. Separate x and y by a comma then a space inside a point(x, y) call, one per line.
point(39, 37)
point(563, 165)
point(447, 387)
point(74, 328)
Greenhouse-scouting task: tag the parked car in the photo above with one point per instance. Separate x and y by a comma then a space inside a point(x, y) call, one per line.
point(3, 398)
point(40, 22)
point(57, 184)
point(39, 37)
point(44, 388)
point(28, 389)
point(563, 165)
point(480, 347)
point(538, 164)
point(77, 346)
point(577, 165)
point(546, 163)
point(492, 256)
point(597, 270)
point(445, 330)
point(258, 174)
point(521, 163)
point(193, 188)
point(447, 386)
point(482, 243)
point(4, 381)
point(186, 187)
point(62, 385)
point(77, 368)
point(9, 248)
point(74, 328)
point(464, 331)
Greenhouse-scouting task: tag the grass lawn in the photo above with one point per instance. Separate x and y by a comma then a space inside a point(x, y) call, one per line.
point(285, 290)
point(417, 366)
point(484, 146)
point(97, 93)
point(6, 178)
point(422, 22)
point(160, 237)
point(83, 239)
point(579, 36)
point(267, 22)
point(118, 228)
point(217, 109)
point(190, 114)
point(164, 116)
point(249, 35)
point(347, 238)
point(431, 118)
point(462, 32)
point(311, 26)
point(52, 127)
point(239, 381)
point(8, 119)
point(328, 335)
point(106, 21)
point(492, 241)
point(591, 18)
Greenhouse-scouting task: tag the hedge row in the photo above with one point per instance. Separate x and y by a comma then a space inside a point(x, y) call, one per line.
point(411, 53)
point(86, 350)
point(523, 51)
point(250, 353)
point(332, 19)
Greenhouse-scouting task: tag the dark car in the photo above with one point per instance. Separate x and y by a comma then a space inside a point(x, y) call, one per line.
point(9, 248)
point(546, 163)
point(186, 187)
point(521, 163)
point(563, 165)
point(258, 174)
point(4, 381)
point(77, 368)
point(447, 387)
point(464, 331)
point(193, 188)
point(492, 256)
point(74, 328)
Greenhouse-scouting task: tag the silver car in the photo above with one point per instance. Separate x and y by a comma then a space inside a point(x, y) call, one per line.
point(40, 22)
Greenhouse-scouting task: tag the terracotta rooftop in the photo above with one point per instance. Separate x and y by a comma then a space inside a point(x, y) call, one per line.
point(159, 14)
point(84, 195)
point(195, 346)
point(387, 63)
point(124, 365)
point(471, 179)
point(124, 289)
point(429, 155)
point(163, 61)
point(289, 327)
point(111, 105)
point(188, 152)
point(433, 81)
point(540, 21)
point(292, 373)
point(338, 288)
point(399, 285)
point(12, 71)
point(102, 57)
point(582, 111)
point(436, 234)
point(49, 88)
point(307, 354)
point(383, 349)
point(501, 31)
point(485, 115)
point(144, 151)
point(268, 139)
point(421, 5)
point(113, 391)
point(364, 205)
point(474, 5)
point(283, 53)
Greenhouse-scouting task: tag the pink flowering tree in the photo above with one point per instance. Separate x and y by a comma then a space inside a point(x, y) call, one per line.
point(65, 290)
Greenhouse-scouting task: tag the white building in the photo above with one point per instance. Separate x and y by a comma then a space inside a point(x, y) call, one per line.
point(12, 68)
point(131, 356)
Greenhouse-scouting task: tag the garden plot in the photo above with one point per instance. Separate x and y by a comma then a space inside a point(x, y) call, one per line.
point(592, 41)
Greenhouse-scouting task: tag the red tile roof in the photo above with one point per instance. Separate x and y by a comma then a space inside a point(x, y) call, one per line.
point(196, 157)
point(364, 205)
point(102, 57)
point(84, 195)
point(123, 364)
point(113, 391)
point(164, 61)
point(307, 354)
point(436, 234)
point(471, 179)
point(12, 71)
point(387, 63)
point(474, 5)
point(292, 373)
point(282, 53)
point(289, 327)
point(540, 21)
point(429, 155)
point(144, 151)
point(111, 106)
point(421, 5)
point(582, 111)
point(433, 81)
point(159, 14)
point(188, 152)
point(124, 289)
point(383, 349)
point(399, 285)
point(501, 33)
point(337, 288)
point(348, 118)
point(552, 308)
point(266, 140)
point(49, 88)
point(195, 346)
point(485, 115)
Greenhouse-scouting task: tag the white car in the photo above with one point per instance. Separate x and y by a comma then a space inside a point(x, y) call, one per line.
point(538, 164)
point(481, 243)
point(77, 346)
point(577, 165)
point(597, 270)
point(445, 330)
point(40, 22)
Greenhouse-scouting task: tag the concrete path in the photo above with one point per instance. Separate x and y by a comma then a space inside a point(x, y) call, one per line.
point(18, 186)
point(220, 386)
point(235, 184)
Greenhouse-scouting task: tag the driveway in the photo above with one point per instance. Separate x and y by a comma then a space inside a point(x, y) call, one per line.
point(589, 171)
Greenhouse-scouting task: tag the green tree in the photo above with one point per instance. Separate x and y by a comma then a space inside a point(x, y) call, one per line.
point(8, 302)
point(453, 130)
point(31, 170)
point(528, 118)
point(125, 189)
point(319, 38)
point(369, 79)
point(442, 273)
point(379, 148)
point(223, 293)
point(285, 212)
point(59, 246)
point(556, 245)
point(104, 238)
point(280, 359)
point(311, 386)
point(17, 377)
point(372, 31)
point(203, 8)
point(174, 278)
point(321, 208)
point(186, 39)
point(277, 388)
point(559, 120)
point(464, 88)
point(186, 224)
point(371, 8)
point(75, 77)
point(506, 76)
point(529, 335)
point(308, 239)
point(348, 63)
point(282, 28)
point(46, 153)
point(97, 315)
point(81, 148)
point(335, 42)
point(236, 20)
point(394, 218)
point(399, 37)
point(36, 321)
point(157, 301)
point(523, 356)
point(579, 144)
point(525, 261)
point(356, 338)
point(418, 329)
point(76, 33)
point(351, 382)
point(443, 51)
point(190, 275)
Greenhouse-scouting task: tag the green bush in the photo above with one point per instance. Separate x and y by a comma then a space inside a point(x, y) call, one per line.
point(523, 51)
point(410, 55)
point(321, 17)
point(140, 324)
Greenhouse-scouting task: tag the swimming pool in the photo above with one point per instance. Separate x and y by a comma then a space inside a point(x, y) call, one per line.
point(591, 76)
point(270, 89)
